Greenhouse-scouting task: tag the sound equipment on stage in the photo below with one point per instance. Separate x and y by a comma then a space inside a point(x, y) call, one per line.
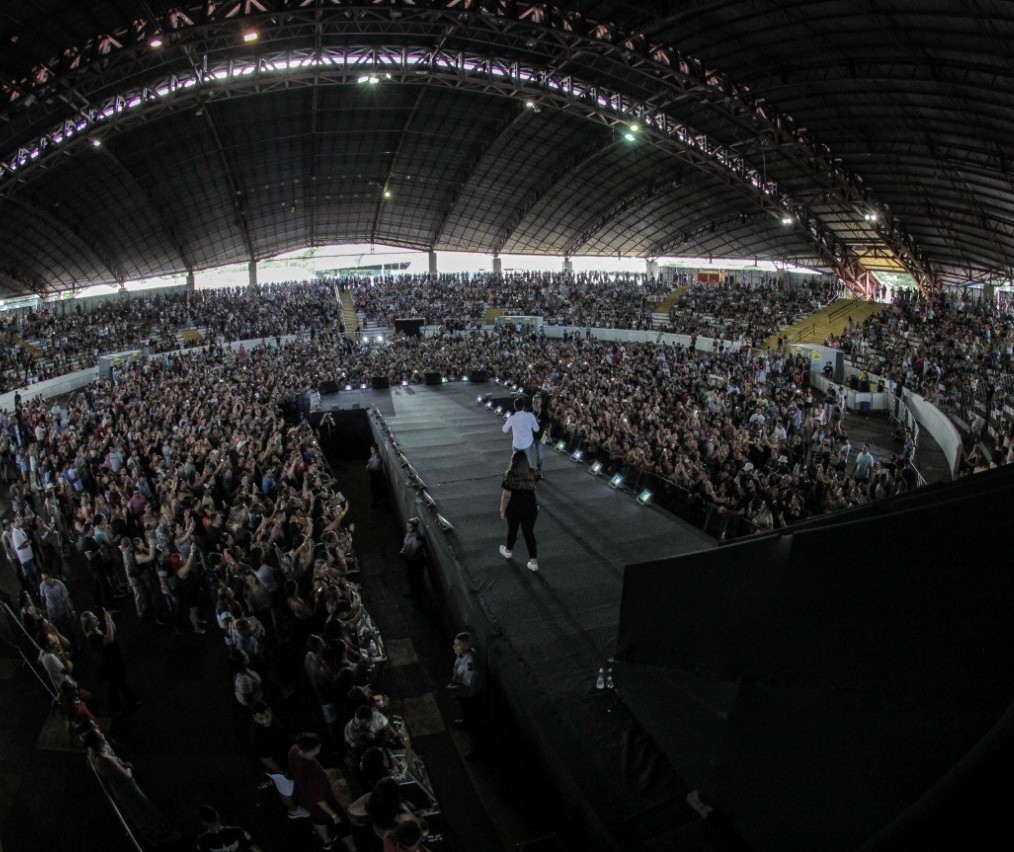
point(478, 376)
point(410, 325)
point(380, 383)
point(329, 387)
point(433, 378)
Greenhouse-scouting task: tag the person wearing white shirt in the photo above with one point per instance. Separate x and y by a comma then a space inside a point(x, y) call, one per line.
point(522, 425)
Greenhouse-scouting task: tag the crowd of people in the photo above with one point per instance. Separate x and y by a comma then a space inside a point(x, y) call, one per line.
point(937, 345)
point(752, 313)
point(54, 339)
point(182, 493)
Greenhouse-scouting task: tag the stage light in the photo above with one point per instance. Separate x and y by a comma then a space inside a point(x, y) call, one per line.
point(616, 481)
point(404, 383)
point(444, 380)
point(478, 400)
point(630, 137)
point(444, 524)
point(97, 142)
point(155, 42)
point(387, 193)
point(489, 404)
point(786, 220)
point(380, 338)
point(464, 378)
point(595, 469)
point(530, 104)
point(561, 446)
point(577, 455)
point(428, 500)
point(362, 386)
point(871, 216)
point(506, 415)
point(644, 498)
point(348, 387)
point(499, 409)
point(249, 36)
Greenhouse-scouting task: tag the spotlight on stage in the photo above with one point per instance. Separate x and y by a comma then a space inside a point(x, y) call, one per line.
point(499, 409)
point(464, 378)
point(489, 404)
point(595, 469)
point(348, 387)
point(404, 462)
point(444, 524)
point(644, 498)
point(404, 383)
point(362, 386)
point(428, 500)
point(479, 400)
point(444, 380)
point(616, 481)
point(577, 455)
point(561, 446)
point(506, 415)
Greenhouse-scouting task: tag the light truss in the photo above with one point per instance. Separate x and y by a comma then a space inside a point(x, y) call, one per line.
point(548, 47)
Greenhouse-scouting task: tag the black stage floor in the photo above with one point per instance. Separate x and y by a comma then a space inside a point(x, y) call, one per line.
point(543, 636)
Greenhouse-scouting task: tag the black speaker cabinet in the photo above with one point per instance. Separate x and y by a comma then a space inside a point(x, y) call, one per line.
point(329, 387)
point(478, 376)
point(433, 378)
point(380, 383)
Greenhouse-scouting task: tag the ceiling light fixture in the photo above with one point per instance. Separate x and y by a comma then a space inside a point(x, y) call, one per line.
point(249, 36)
point(155, 42)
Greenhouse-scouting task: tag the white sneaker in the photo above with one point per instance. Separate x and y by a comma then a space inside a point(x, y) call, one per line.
point(298, 813)
point(505, 553)
point(533, 566)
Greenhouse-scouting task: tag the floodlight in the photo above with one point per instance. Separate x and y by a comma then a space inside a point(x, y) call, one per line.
point(444, 524)
point(577, 455)
point(644, 498)
point(464, 378)
point(561, 446)
point(380, 338)
point(96, 142)
point(362, 386)
point(156, 42)
point(404, 383)
point(444, 380)
point(616, 481)
point(871, 216)
point(596, 468)
point(786, 220)
point(249, 36)
point(387, 193)
point(499, 409)
point(629, 136)
point(478, 399)
point(489, 404)
point(428, 500)
point(348, 387)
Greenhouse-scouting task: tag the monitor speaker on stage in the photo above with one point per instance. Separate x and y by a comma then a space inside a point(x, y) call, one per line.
point(478, 376)
point(409, 325)
point(380, 383)
point(329, 387)
point(433, 378)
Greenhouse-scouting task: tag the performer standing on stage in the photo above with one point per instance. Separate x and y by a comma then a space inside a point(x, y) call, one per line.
point(540, 410)
point(522, 425)
point(519, 508)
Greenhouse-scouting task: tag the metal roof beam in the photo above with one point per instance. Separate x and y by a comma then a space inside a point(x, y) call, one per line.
point(61, 227)
point(393, 161)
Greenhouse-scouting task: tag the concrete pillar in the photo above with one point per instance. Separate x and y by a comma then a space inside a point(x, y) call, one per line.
point(651, 267)
point(190, 280)
point(568, 266)
point(253, 273)
point(433, 263)
point(497, 265)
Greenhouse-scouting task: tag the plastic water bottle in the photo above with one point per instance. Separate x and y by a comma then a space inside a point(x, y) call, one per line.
point(609, 680)
point(600, 682)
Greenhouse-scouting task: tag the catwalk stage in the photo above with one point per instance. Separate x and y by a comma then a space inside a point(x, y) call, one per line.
point(543, 637)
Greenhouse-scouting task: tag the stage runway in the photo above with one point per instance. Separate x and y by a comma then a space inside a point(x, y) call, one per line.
point(544, 635)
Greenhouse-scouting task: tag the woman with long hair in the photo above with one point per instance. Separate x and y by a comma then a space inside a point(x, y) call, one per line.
point(519, 508)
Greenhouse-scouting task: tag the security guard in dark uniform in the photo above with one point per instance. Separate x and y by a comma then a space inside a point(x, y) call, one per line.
point(466, 686)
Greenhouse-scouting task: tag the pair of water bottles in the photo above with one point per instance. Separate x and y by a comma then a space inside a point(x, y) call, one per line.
point(605, 679)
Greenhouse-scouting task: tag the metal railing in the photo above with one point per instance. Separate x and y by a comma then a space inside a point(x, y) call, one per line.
point(16, 637)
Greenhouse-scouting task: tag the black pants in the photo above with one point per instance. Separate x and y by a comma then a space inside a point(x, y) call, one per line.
point(526, 522)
